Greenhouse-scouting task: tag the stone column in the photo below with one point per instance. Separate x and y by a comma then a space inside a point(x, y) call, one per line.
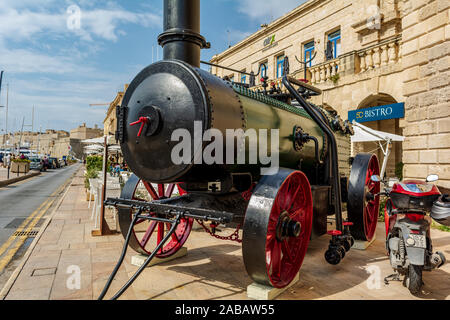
point(384, 55)
point(313, 76)
point(362, 61)
point(333, 68)
point(392, 52)
point(369, 59)
point(376, 57)
point(328, 71)
point(322, 74)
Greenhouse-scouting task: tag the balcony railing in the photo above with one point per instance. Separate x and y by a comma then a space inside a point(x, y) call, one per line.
point(325, 71)
point(355, 62)
point(380, 55)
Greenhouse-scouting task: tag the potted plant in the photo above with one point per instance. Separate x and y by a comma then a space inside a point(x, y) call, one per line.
point(90, 174)
point(20, 165)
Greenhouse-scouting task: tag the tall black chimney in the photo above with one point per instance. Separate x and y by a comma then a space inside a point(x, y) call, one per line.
point(181, 38)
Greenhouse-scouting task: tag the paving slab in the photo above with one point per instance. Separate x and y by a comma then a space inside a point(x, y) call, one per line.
point(212, 269)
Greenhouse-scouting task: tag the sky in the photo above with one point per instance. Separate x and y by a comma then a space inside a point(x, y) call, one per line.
point(62, 55)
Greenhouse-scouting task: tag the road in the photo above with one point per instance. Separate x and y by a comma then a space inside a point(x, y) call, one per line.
point(23, 207)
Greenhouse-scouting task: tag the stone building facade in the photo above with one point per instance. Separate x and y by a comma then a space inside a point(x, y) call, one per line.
point(110, 122)
point(368, 53)
point(55, 143)
point(84, 133)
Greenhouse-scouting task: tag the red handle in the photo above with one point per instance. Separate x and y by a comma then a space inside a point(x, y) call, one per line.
point(334, 233)
point(143, 121)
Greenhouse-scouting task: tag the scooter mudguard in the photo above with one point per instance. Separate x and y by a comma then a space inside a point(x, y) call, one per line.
point(415, 255)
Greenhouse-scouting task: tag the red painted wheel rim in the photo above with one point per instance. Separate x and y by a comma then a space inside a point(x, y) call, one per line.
point(150, 235)
point(371, 207)
point(284, 258)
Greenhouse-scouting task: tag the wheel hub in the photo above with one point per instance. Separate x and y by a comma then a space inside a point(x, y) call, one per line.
point(287, 228)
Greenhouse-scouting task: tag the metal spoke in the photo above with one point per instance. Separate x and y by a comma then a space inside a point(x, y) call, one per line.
point(170, 190)
point(276, 260)
point(148, 234)
point(161, 190)
point(151, 190)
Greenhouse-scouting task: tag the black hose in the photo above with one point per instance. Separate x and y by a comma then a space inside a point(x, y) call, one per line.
point(334, 159)
point(122, 257)
point(149, 259)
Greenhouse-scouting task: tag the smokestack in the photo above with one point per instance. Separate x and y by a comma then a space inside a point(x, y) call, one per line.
point(181, 38)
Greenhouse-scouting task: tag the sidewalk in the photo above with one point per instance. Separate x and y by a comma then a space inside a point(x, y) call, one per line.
point(213, 269)
point(4, 174)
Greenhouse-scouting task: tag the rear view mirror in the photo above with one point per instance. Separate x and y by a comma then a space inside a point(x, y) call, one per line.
point(375, 178)
point(432, 178)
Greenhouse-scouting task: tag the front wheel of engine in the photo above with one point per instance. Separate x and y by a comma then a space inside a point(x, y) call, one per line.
point(277, 228)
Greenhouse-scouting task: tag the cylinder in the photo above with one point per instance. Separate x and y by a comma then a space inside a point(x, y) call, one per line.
point(181, 39)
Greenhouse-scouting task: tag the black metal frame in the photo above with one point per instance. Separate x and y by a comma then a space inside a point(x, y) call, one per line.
point(175, 222)
point(164, 208)
point(335, 183)
point(251, 74)
point(162, 211)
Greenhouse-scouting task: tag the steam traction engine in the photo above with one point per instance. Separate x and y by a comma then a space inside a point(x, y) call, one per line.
point(279, 213)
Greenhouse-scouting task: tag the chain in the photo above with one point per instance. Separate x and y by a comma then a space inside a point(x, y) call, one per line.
point(233, 237)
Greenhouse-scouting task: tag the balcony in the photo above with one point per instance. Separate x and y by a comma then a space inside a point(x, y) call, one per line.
point(357, 62)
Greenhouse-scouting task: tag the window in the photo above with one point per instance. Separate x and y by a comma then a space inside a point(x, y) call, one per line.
point(335, 39)
point(263, 68)
point(280, 66)
point(243, 77)
point(309, 52)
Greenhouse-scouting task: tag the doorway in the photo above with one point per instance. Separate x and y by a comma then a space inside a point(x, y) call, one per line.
point(390, 126)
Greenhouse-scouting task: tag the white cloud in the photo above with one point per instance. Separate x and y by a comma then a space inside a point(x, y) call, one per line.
point(28, 61)
point(57, 69)
point(267, 10)
point(49, 66)
point(21, 22)
point(238, 35)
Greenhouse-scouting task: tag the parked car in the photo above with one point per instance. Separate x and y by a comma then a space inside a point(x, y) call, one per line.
point(53, 162)
point(62, 163)
point(36, 164)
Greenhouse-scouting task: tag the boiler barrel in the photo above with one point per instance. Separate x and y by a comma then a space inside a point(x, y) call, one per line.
point(173, 95)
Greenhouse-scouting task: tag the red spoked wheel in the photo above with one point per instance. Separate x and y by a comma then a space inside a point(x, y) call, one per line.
point(277, 228)
point(363, 199)
point(147, 234)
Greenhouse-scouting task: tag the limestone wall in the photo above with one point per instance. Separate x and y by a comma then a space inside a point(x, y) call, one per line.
point(426, 64)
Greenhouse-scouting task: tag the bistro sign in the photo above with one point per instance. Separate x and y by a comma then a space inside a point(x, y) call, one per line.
point(391, 111)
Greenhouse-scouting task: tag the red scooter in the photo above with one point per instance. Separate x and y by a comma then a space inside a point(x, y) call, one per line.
point(408, 238)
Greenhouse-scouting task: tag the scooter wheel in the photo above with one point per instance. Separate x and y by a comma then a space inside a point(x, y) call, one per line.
point(413, 280)
point(333, 257)
point(443, 259)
